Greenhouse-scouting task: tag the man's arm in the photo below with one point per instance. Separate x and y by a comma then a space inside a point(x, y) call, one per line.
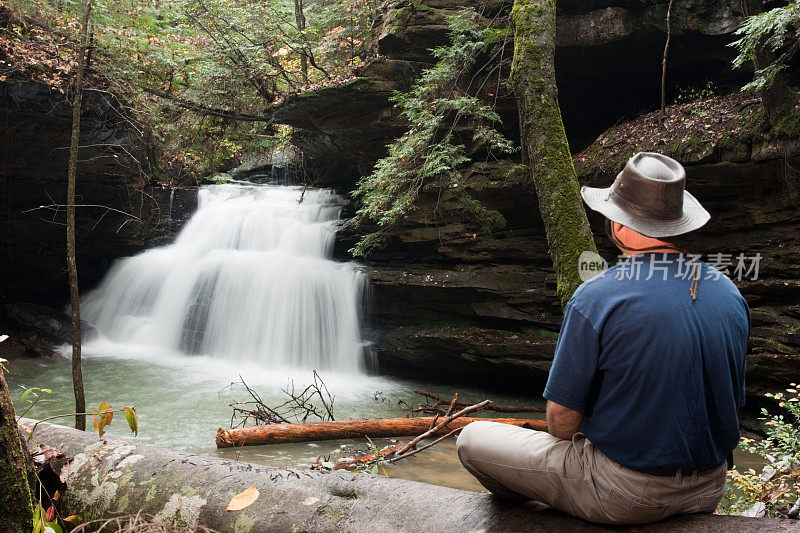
point(562, 422)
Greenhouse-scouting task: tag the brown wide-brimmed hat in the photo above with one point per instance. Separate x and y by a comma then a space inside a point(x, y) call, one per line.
point(649, 197)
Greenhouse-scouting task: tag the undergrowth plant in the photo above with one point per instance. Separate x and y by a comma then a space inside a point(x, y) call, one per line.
point(778, 30)
point(775, 490)
point(429, 151)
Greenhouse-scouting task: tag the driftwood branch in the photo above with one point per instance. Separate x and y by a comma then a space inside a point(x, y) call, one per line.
point(438, 427)
point(314, 401)
point(439, 402)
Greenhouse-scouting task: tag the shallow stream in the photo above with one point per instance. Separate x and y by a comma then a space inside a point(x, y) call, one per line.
point(182, 400)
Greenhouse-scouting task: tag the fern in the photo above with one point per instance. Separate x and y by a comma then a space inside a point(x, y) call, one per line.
point(777, 29)
point(428, 151)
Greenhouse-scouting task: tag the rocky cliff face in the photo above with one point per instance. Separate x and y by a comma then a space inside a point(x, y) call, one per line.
point(118, 211)
point(608, 65)
point(455, 303)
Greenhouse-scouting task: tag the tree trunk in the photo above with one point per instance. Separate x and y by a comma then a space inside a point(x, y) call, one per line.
point(349, 429)
point(16, 504)
point(664, 60)
point(775, 96)
point(72, 269)
point(301, 26)
point(544, 142)
point(118, 478)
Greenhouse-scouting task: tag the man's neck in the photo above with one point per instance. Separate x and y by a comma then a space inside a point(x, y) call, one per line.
point(665, 250)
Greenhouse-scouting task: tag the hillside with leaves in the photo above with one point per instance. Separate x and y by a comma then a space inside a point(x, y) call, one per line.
point(199, 75)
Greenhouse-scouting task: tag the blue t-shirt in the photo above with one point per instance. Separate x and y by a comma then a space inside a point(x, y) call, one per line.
point(658, 376)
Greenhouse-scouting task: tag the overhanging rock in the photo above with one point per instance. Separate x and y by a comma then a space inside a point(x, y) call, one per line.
point(112, 477)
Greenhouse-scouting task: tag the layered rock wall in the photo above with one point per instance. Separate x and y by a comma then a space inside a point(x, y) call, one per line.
point(450, 302)
point(118, 211)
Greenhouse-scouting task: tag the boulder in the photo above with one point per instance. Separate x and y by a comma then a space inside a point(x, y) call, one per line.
point(47, 322)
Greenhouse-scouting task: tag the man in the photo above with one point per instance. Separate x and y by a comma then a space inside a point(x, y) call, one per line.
point(647, 377)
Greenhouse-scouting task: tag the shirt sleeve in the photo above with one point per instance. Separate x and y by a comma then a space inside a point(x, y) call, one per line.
point(575, 361)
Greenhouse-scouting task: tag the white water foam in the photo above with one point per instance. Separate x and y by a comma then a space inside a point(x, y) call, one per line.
point(248, 279)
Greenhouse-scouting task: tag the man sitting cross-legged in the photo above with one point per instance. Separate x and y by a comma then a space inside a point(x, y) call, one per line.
point(647, 377)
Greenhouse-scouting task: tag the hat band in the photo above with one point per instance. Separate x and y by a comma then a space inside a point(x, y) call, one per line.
point(650, 212)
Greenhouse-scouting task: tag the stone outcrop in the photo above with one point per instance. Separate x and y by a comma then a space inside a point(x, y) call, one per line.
point(118, 213)
point(112, 477)
point(484, 308)
point(608, 65)
point(452, 303)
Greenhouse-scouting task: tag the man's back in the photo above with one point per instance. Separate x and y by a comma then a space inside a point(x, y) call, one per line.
point(647, 377)
point(658, 375)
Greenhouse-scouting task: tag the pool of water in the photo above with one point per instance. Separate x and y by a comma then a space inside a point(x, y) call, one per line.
point(181, 401)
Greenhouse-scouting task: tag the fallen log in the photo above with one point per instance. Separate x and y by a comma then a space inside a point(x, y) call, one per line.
point(350, 429)
point(110, 477)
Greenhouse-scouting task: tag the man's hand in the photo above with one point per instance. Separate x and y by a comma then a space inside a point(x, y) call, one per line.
point(562, 422)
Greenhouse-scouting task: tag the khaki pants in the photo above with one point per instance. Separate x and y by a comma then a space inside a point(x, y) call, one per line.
point(575, 477)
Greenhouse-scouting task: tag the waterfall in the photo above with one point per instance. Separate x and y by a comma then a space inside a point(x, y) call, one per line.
point(248, 278)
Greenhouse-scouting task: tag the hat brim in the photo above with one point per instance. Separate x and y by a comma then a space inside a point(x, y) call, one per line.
point(694, 215)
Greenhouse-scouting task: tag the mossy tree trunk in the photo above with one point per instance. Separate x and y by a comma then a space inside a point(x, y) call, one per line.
point(544, 142)
point(16, 504)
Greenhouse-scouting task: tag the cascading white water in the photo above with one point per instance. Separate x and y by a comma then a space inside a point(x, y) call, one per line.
point(249, 278)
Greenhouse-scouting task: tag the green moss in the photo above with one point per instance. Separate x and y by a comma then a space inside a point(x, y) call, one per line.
point(546, 333)
point(509, 170)
point(400, 18)
point(533, 79)
point(788, 125)
point(244, 524)
point(342, 493)
point(16, 503)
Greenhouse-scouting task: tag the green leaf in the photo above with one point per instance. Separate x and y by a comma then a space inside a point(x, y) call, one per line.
point(374, 470)
point(27, 392)
point(133, 420)
point(38, 512)
point(54, 527)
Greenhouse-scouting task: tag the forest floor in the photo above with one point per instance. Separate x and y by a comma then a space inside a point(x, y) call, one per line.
point(696, 132)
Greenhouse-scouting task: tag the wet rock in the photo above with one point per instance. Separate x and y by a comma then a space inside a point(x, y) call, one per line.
point(37, 331)
point(279, 164)
point(49, 323)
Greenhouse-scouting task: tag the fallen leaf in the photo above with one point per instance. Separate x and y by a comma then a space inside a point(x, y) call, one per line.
point(242, 500)
point(310, 501)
